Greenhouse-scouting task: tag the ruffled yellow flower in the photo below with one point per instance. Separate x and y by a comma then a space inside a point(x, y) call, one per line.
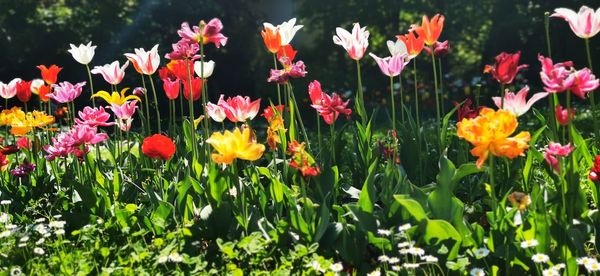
point(235, 145)
point(8, 115)
point(116, 97)
point(22, 123)
point(489, 133)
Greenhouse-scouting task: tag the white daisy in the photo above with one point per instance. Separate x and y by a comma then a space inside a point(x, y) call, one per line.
point(477, 272)
point(540, 258)
point(481, 252)
point(529, 243)
point(337, 267)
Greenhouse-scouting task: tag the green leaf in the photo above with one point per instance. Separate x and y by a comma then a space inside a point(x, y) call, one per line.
point(437, 231)
point(412, 206)
point(367, 194)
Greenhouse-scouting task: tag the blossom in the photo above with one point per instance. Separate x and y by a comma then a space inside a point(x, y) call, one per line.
point(519, 200)
point(477, 272)
point(594, 174)
point(86, 135)
point(93, 117)
point(287, 30)
point(563, 115)
point(481, 252)
point(516, 103)
point(239, 109)
point(466, 111)
point(414, 45)
point(24, 91)
point(540, 258)
point(158, 146)
point(235, 145)
point(439, 48)
point(584, 82)
point(216, 112)
point(3, 162)
point(555, 150)
point(49, 74)
point(430, 30)
point(8, 91)
point(204, 33)
point(83, 53)
point(204, 69)
point(302, 160)
point(144, 62)
point(196, 89)
point(116, 97)
point(396, 48)
point(286, 51)
point(66, 92)
point(22, 123)
point(171, 88)
point(23, 170)
point(111, 73)
point(391, 66)
point(585, 23)
point(327, 106)
point(72, 141)
point(355, 43)
point(43, 92)
point(124, 113)
point(506, 67)
point(290, 70)
point(529, 243)
point(275, 120)
point(556, 77)
point(489, 133)
point(183, 50)
point(24, 143)
point(271, 38)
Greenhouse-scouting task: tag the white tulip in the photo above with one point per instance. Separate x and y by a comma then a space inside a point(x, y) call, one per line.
point(397, 48)
point(83, 53)
point(208, 68)
point(287, 30)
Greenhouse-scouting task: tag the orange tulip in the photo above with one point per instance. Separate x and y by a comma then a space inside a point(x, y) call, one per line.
point(489, 133)
point(431, 30)
point(272, 39)
point(414, 44)
point(49, 74)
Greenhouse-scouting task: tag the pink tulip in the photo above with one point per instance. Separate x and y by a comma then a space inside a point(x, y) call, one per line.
point(9, 90)
point(518, 104)
point(183, 49)
point(556, 77)
point(111, 73)
point(563, 115)
point(585, 23)
point(145, 62)
point(391, 66)
point(61, 146)
point(555, 150)
point(171, 88)
point(239, 109)
point(93, 117)
point(205, 33)
point(71, 141)
point(66, 92)
point(290, 70)
point(329, 107)
point(216, 112)
point(86, 135)
point(585, 82)
point(439, 48)
point(355, 43)
point(125, 110)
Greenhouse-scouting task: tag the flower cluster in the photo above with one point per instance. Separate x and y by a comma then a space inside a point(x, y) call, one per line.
point(302, 160)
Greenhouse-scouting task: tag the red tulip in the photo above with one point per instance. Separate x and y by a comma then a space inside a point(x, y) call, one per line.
point(563, 116)
point(158, 146)
point(506, 67)
point(49, 74)
point(24, 91)
point(171, 88)
point(196, 89)
point(286, 51)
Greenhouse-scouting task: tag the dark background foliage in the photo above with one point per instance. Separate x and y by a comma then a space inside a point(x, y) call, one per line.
point(34, 32)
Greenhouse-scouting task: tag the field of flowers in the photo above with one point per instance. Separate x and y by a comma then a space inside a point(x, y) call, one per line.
point(98, 181)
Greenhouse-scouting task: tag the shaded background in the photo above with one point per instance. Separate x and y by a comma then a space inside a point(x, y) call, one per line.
point(34, 32)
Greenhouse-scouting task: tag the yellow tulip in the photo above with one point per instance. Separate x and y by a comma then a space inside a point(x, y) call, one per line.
point(116, 97)
point(235, 145)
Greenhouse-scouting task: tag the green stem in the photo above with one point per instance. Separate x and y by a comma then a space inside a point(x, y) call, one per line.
point(547, 29)
point(87, 67)
point(332, 137)
point(278, 86)
point(155, 104)
point(319, 132)
point(361, 99)
point(393, 104)
point(592, 101)
point(147, 105)
point(441, 83)
point(293, 97)
point(492, 186)
point(435, 91)
point(416, 94)
point(401, 99)
point(501, 96)
point(191, 117)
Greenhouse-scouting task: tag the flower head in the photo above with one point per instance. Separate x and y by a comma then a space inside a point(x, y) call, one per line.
point(204, 33)
point(83, 53)
point(286, 51)
point(506, 67)
point(439, 48)
point(414, 45)
point(171, 88)
point(9, 90)
point(519, 200)
point(556, 77)
point(466, 111)
point(290, 70)
point(23, 170)
point(145, 62)
point(489, 133)
point(329, 107)
point(215, 112)
point(584, 82)
point(93, 117)
point(595, 170)
point(302, 160)
point(235, 145)
point(585, 23)
point(239, 109)
point(391, 66)
point(116, 97)
point(183, 49)
point(430, 30)
point(49, 74)
point(396, 48)
point(158, 146)
point(563, 115)
point(204, 69)
point(196, 89)
point(111, 73)
point(355, 43)
point(516, 103)
point(529, 243)
point(271, 38)
point(287, 30)
point(66, 92)
point(540, 258)
point(24, 91)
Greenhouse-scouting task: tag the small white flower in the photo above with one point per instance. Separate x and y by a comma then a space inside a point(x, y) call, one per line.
point(4, 218)
point(315, 265)
point(384, 232)
point(59, 232)
point(39, 251)
point(405, 244)
point(550, 272)
point(415, 251)
point(410, 265)
point(57, 224)
point(404, 227)
point(5, 234)
point(83, 53)
point(477, 272)
point(337, 267)
point(47, 235)
point(481, 252)
point(41, 228)
point(383, 259)
point(57, 216)
point(559, 266)
point(396, 268)
point(11, 226)
point(592, 267)
point(22, 244)
point(529, 243)
point(374, 273)
point(540, 258)
point(40, 220)
point(24, 239)
point(393, 260)
point(175, 257)
point(15, 271)
point(585, 260)
point(40, 241)
point(430, 259)
point(5, 202)
point(162, 259)
point(99, 221)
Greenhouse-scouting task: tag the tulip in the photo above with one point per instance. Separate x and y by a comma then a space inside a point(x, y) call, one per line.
point(215, 112)
point(430, 30)
point(585, 23)
point(563, 115)
point(239, 109)
point(287, 30)
point(83, 53)
point(439, 48)
point(235, 145)
point(465, 111)
point(556, 77)
point(271, 38)
point(355, 43)
point(205, 33)
point(44, 92)
point(24, 91)
point(396, 48)
point(49, 74)
point(125, 110)
point(516, 103)
point(302, 160)
point(93, 117)
point(66, 92)
point(555, 150)
point(290, 70)
point(171, 88)
point(196, 89)
point(207, 67)
point(145, 62)
point(36, 85)
point(329, 107)
point(414, 44)
point(287, 51)
point(584, 83)
point(86, 135)
point(158, 146)
point(183, 50)
point(8, 91)
point(116, 97)
point(391, 66)
point(595, 170)
point(506, 67)
point(24, 143)
point(111, 73)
